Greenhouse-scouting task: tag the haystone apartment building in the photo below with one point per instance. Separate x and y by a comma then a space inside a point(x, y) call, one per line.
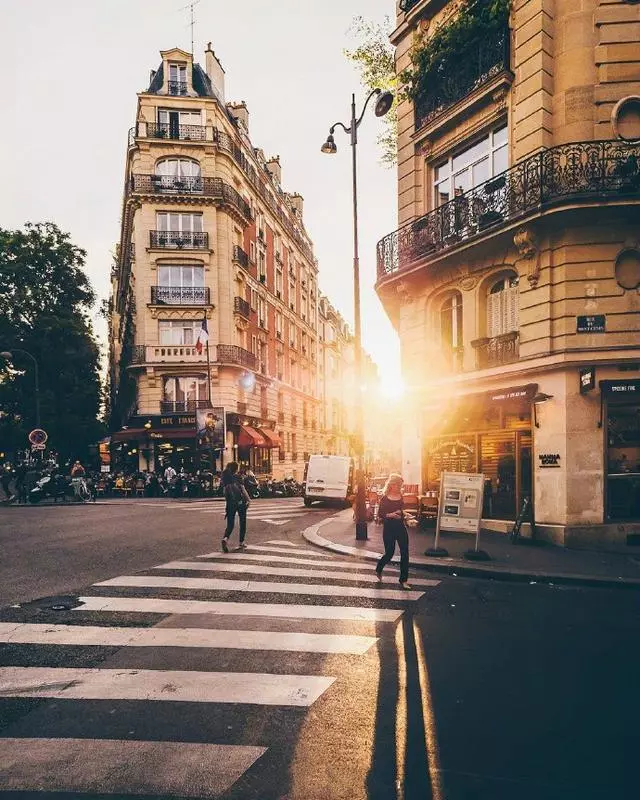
point(513, 278)
point(208, 233)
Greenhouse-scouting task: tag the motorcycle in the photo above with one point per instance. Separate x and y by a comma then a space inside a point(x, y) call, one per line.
point(53, 486)
point(292, 488)
point(251, 485)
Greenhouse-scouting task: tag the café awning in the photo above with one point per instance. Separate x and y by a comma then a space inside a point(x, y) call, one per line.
point(249, 437)
point(273, 440)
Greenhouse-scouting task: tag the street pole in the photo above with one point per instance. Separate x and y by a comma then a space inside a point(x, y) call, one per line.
point(383, 104)
point(361, 507)
point(36, 375)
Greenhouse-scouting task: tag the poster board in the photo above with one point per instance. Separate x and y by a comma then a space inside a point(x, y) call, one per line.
point(461, 498)
point(210, 427)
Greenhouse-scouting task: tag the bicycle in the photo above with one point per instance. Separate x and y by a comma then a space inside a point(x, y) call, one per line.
point(81, 490)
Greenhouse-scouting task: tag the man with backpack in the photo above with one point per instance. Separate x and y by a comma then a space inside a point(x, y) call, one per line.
point(237, 501)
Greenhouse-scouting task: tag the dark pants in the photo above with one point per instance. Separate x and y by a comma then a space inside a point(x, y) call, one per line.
point(390, 535)
point(231, 519)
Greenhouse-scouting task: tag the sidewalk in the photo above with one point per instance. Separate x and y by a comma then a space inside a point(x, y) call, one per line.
point(521, 562)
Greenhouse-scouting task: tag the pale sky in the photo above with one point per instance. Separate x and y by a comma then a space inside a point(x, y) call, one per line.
point(72, 70)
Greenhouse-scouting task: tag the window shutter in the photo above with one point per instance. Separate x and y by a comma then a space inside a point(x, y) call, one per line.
point(494, 314)
point(511, 296)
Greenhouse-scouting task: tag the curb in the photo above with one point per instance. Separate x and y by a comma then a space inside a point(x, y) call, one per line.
point(462, 569)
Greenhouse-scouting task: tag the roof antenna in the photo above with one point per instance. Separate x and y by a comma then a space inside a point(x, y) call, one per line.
point(193, 21)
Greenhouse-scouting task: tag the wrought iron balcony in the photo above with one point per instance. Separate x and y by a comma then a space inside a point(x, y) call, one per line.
point(190, 240)
point(168, 130)
point(232, 354)
point(499, 350)
point(574, 172)
point(182, 406)
point(240, 257)
point(241, 306)
point(486, 58)
point(190, 185)
point(180, 295)
point(177, 87)
point(166, 354)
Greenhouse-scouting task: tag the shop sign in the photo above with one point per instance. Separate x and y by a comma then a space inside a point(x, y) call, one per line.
point(461, 496)
point(549, 460)
point(587, 379)
point(631, 388)
point(595, 323)
point(512, 393)
point(176, 420)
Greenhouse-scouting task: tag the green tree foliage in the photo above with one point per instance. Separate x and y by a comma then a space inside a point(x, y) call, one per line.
point(374, 57)
point(45, 301)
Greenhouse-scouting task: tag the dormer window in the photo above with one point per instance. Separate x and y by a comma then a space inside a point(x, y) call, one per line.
point(177, 79)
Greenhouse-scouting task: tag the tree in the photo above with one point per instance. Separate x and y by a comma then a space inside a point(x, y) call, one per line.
point(45, 301)
point(374, 57)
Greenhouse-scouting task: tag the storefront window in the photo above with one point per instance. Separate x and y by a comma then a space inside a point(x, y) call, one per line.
point(623, 461)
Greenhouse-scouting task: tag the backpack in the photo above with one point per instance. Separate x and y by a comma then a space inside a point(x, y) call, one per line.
point(235, 494)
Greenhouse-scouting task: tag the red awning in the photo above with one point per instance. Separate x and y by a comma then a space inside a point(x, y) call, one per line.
point(273, 440)
point(129, 435)
point(249, 437)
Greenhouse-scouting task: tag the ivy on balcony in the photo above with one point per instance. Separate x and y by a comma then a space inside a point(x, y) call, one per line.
point(460, 54)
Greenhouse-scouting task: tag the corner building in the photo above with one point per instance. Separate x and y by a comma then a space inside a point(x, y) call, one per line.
point(209, 233)
point(514, 276)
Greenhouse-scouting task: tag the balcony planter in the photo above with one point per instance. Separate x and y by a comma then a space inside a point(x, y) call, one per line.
point(489, 218)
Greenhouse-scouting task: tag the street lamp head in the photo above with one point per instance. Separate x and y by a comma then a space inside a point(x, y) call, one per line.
point(383, 103)
point(329, 146)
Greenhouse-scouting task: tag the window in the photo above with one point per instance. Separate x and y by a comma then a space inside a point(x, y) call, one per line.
point(180, 275)
point(254, 300)
point(292, 334)
point(252, 252)
point(185, 391)
point(254, 345)
point(279, 283)
point(177, 79)
point(502, 306)
point(173, 221)
point(178, 332)
point(262, 313)
point(451, 322)
point(292, 296)
point(262, 266)
point(178, 168)
point(471, 167)
point(278, 325)
point(171, 121)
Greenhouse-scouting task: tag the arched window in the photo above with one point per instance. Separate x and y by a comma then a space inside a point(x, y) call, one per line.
point(502, 306)
point(451, 322)
point(178, 168)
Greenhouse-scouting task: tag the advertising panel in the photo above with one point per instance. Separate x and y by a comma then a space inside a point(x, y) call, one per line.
point(210, 425)
point(461, 496)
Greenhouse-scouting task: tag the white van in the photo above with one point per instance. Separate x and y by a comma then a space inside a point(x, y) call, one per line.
point(328, 478)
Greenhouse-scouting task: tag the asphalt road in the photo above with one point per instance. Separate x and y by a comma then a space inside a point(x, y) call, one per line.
point(314, 685)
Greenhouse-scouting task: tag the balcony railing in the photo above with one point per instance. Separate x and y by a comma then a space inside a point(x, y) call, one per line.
point(166, 354)
point(167, 130)
point(182, 406)
point(579, 171)
point(180, 295)
point(177, 87)
point(497, 351)
point(481, 62)
point(240, 257)
point(190, 240)
point(232, 354)
point(241, 306)
point(190, 184)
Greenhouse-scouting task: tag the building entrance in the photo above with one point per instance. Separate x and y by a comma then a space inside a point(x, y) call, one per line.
point(623, 451)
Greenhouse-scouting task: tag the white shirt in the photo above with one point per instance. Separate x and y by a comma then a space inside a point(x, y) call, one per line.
point(169, 473)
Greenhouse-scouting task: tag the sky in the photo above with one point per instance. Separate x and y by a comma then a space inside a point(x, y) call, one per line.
point(70, 98)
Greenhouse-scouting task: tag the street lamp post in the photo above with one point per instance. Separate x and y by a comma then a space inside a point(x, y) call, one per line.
point(383, 104)
point(9, 354)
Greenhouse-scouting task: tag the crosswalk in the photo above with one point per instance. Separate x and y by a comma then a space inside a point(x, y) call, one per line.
point(276, 512)
point(221, 632)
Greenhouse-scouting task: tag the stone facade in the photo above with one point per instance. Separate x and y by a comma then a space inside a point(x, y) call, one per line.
point(517, 266)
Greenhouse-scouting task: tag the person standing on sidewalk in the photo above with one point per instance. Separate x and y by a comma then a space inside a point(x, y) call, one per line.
point(391, 512)
point(237, 501)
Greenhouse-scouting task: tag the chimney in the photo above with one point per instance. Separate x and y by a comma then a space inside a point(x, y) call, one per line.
point(239, 111)
point(214, 71)
point(297, 201)
point(273, 167)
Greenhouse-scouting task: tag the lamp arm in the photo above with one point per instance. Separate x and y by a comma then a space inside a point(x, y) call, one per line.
point(366, 103)
point(341, 125)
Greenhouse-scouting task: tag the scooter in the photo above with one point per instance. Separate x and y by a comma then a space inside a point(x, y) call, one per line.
point(55, 486)
point(252, 487)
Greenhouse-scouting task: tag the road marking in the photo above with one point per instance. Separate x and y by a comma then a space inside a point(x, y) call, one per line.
point(225, 585)
point(317, 562)
point(258, 688)
point(282, 541)
point(123, 767)
point(87, 635)
point(300, 551)
point(289, 572)
point(150, 605)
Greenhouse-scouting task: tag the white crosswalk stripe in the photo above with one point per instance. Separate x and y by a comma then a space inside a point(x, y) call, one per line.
point(94, 764)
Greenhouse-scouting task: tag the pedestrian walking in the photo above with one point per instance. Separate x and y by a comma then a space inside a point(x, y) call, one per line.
point(5, 481)
point(391, 512)
point(237, 501)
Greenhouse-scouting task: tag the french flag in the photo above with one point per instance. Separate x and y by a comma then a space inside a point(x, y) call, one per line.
point(203, 336)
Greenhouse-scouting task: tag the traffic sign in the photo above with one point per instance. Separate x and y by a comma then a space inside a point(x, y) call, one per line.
point(38, 436)
point(38, 447)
